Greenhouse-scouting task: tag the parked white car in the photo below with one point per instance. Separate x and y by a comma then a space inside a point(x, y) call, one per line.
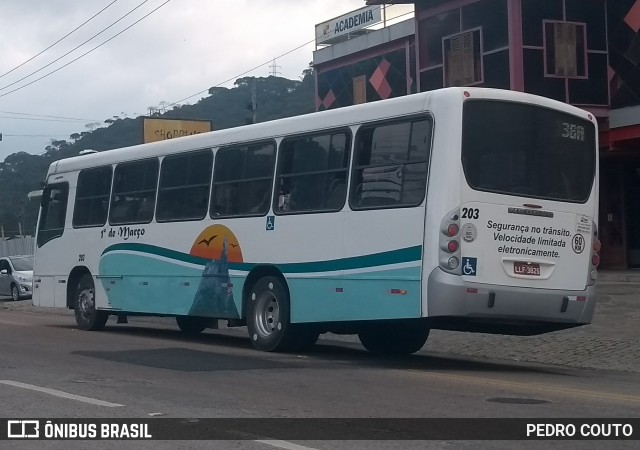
point(16, 276)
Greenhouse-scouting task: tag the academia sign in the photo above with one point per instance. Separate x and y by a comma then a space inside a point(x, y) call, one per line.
point(156, 129)
point(348, 23)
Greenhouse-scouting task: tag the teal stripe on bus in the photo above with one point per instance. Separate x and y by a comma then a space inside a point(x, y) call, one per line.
point(403, 255)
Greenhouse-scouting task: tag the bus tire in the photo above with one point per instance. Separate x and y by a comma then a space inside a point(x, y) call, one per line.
point(192, 325)
point(268, 312)
point(398, 338)
point(84, 304)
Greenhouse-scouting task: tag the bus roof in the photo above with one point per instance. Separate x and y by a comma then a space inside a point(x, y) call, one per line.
point(350, 115)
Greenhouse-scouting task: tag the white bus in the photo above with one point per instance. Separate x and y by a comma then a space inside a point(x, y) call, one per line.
point(460, 209)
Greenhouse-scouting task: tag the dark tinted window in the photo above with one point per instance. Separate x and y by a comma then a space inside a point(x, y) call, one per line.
point(92, 197)
point(313, 173)
point(53, 212)
point(391, 164)
point(184, 186)
point(134, 192)
point(242, 178)
point(529, 151)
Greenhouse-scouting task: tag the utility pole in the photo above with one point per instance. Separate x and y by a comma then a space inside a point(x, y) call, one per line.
point(254, 104)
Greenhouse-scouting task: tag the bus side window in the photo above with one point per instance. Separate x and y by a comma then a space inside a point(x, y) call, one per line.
point(312, 172)
point(92, 197)
point(134, 184)
point(242, 179)
point(391, 164)
point(183, 193)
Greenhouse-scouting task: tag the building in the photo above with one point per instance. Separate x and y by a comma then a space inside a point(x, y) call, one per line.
point(583, 52)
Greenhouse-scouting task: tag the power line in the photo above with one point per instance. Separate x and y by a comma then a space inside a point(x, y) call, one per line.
point(74, 49)
point(40, 119)
point(59, 40)
point(35, 135)
point(259, 66)
point(51, 117)
point(86, 53)
point(239, 75)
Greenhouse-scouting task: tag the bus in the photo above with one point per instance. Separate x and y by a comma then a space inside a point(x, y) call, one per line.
point(465, 209)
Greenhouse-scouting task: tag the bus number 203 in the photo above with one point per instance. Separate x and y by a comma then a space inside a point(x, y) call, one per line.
point(470, 213)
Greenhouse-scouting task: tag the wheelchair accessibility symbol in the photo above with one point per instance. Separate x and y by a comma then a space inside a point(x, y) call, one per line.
point(469, 266)
point(271, 223)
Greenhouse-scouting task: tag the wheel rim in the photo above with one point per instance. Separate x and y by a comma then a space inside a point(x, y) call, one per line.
point(267, 315)
point(15, 295)
point(85, 303)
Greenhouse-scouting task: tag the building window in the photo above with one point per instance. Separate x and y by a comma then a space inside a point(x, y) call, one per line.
point(359, 90)
point(242, 179)
point(463, 58)
point(565, 49)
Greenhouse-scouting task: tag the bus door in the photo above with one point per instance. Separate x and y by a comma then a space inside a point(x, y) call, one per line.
point(51, 225)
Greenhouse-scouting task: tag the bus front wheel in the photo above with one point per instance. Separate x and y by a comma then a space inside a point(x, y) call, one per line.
point(268, 314)
point(87, 316)
point(397, 338)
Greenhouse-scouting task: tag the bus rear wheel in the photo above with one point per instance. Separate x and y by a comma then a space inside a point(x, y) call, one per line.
point(268, 319)
point(192, 325)
point(396, 338)
point(87, 316)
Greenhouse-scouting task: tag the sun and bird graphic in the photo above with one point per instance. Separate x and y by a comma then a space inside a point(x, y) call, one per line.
point(209, 244)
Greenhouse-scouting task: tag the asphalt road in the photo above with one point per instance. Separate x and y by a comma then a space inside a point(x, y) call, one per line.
point(146, 369)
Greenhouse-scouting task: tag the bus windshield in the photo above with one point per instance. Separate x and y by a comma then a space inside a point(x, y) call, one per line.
point(529, 151)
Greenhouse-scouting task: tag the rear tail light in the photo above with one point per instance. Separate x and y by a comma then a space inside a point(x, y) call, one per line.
point(449, 242)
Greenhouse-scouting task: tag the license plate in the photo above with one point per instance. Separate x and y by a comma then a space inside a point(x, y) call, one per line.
point(523, 268)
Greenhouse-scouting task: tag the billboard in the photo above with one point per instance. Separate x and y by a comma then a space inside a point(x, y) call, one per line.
point(328, 31)
point(158, 129)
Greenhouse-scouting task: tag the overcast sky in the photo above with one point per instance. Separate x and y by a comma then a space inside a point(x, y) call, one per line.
point(184, 47)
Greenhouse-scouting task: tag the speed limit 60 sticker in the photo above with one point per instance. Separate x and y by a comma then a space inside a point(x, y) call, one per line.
point(578, 243)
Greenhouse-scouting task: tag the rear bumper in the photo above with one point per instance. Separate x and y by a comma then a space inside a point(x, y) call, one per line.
point(457, 305)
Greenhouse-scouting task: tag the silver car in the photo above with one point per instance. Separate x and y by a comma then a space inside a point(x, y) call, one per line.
point(16, 276)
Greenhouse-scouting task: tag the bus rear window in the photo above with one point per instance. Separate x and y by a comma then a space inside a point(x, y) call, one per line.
point(528, 151)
